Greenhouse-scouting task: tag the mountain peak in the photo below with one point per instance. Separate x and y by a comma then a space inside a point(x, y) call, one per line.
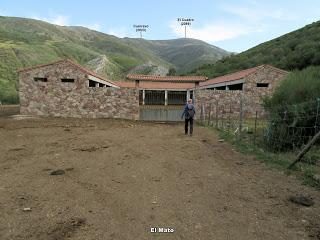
point(26, 42)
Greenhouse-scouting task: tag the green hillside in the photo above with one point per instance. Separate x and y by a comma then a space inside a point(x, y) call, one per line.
point(296, 50)
point(183, 53)
point(26, 42)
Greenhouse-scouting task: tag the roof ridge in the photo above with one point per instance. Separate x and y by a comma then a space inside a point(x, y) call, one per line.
point(157, 85)
point(143, 77)
point(79, 66)
point(41, 65)
point(239, 74)
point(228, 74)
point(276, 68)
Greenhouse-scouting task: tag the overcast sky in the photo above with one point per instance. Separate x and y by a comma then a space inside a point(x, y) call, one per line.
point(234, 25)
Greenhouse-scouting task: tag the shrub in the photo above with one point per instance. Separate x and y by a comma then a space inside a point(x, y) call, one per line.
point(294, 110)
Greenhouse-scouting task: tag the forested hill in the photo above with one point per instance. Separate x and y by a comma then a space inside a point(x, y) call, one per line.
point(295, 50)
point(26, 42)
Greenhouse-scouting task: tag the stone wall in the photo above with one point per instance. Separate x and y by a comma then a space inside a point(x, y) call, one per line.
point(61, 99)
point(226, 103)
point(58, 99)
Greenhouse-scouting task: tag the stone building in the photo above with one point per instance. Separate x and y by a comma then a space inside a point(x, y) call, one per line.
point(248, 86)
point(263, 78)
point(64, 88)
point(162, 98)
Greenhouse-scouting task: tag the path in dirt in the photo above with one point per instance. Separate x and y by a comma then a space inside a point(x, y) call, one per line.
point(121, 178)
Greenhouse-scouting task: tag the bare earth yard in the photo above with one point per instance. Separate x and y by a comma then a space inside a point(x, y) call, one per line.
point(122, 178)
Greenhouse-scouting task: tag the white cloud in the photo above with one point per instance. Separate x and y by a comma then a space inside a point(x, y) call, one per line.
point(58, 20)
point(256, 12)
point(212, 32)
point(94, 26)
point(61, 20)
point(2, 13)
point(119, 32)
point(122, 32)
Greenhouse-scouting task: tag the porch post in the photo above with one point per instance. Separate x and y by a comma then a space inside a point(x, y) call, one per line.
point(188, 95)
point(166, 97)
point(143, 96)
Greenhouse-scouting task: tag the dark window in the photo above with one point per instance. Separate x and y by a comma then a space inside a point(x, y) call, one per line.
point(264, 85)
point(177, 97)
point(141, 97)
point(101, 85)
point(221, 88)
point(39, 79)
point(154, 97)
point(92, 83)
point(67, 80)
point(235, 86)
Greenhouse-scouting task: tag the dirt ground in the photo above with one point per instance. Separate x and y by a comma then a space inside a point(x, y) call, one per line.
point(123, 178)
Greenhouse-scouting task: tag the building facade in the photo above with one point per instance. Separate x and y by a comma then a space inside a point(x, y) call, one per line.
point(249, 86)
point(66, 89)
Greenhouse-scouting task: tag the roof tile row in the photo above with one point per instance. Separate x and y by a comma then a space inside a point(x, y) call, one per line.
point(156, 78)
point(89, 72)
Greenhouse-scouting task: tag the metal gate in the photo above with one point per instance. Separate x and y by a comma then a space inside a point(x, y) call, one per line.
point(161, 113)
point(162, 105)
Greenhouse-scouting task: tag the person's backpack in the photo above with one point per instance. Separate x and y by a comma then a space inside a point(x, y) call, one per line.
point(190, 112)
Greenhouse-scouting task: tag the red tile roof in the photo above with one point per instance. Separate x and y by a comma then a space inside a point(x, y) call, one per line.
point(238, 75)
point(155, 78)
point(157, 85)
point(89, 72)
point(231, 76)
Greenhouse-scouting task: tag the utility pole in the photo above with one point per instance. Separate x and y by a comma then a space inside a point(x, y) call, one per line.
point(141, 28)
point(185, 22)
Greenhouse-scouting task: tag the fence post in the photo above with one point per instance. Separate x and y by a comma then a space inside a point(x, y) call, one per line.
point(240, 118)
point(204, 113)
point(209, 117)
point(229, 119)
point(316, 122)
point(201, 113)
point(212, 115)
point(222, 118)
point(217, 113)
point(255, 129)
point(305, 149)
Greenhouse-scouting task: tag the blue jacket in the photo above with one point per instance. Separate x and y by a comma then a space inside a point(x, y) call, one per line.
point(185, 111)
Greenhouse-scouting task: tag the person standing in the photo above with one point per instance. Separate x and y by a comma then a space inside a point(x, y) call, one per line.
point(188, 114)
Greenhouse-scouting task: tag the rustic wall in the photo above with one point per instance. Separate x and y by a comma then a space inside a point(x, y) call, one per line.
point(267, 74)
point(228, 102)
point(223, 103)
point(55, 98)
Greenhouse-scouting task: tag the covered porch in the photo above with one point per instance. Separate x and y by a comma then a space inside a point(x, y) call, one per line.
point(163, 105)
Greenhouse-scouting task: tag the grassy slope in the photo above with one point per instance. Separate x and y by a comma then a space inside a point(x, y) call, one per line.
point(295, 50)
point(184, 54)
point(26, 42)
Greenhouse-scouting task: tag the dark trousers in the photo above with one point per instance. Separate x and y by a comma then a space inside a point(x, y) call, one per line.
point(186, 123)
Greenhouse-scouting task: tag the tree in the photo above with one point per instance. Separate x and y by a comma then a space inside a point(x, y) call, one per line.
point(172, 72)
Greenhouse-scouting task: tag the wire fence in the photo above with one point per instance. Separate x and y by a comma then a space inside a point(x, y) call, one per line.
point(278, 130)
